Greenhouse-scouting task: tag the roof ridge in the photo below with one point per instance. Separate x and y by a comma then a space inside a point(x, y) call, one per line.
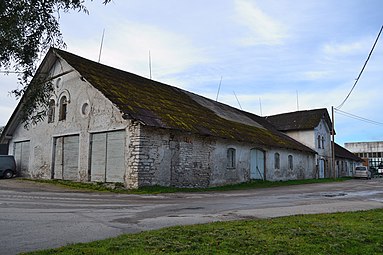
point(161, 105)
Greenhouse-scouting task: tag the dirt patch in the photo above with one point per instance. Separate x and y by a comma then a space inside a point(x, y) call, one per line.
point(23, 185)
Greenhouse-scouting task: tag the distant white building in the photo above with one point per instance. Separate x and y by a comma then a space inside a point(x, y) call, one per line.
point(370, 152)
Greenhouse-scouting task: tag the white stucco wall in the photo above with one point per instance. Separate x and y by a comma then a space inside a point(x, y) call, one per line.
point(303, 165)
point(345, 167)
point(99, 115)
point(310, 139)
point(362, 147)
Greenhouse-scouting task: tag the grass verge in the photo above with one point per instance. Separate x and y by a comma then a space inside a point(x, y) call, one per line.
point(337, 233)
point(119, 187)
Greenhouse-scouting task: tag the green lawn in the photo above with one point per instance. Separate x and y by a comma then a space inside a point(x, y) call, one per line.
point(119, 187)
point(338, 233)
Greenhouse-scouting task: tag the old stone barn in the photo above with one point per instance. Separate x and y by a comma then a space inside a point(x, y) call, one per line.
point(108, 125)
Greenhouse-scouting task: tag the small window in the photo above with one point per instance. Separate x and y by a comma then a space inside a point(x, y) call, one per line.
point(319, 141)
point(51, 111)
point(231, 158)
point(290, 162)
point(85, 109)
point(63, 108)
point(322, 142)
point(276, 161)
point(58, 83)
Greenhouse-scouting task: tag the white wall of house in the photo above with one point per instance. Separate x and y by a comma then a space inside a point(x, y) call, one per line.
point(303, 166)
point(323, 148)
point(345, 167)
point(88, 112)
point(303, 136)
point(310, 138)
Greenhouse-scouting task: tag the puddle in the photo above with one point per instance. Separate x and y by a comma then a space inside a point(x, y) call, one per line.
point(186, 208)
point(341, 194)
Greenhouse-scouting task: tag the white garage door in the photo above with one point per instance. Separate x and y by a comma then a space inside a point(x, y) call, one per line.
point(66, 158)
point(108, 157)
point(21, 153)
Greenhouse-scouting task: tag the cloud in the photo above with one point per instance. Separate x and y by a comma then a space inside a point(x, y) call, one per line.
point(8, 101)
point(360, 46)
point(127, 46)
point(286, 101)
point(262, 28)
point(317, 75)
point(341, 60)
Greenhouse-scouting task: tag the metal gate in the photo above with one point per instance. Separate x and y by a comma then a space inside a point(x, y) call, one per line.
point(257, 164)
point(107, 162)
point(21, 152)
point(66, 157)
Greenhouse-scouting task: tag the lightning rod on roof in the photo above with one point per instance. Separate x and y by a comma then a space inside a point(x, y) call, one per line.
point(150, 66)
point(102, 42)
point(297, 101)
point(260, 105)
point(219, 88)
point(237, 100)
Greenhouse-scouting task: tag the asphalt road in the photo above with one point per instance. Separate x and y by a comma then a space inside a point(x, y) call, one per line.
point(40, 216)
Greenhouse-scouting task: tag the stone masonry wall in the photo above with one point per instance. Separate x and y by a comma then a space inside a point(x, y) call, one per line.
point(172, 158)
point(133, 149)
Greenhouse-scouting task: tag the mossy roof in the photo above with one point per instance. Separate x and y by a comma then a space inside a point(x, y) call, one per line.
point(160, 105)
point(300, 120)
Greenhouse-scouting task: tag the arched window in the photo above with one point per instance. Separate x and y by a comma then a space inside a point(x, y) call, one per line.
point(322, 142)
point(63, 108)
point(276, 161)
point(231, 158)
point(319, 141)
point(290, 162)
point(51, 111)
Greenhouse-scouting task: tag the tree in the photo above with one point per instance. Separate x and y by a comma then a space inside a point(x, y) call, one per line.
point(27, 29)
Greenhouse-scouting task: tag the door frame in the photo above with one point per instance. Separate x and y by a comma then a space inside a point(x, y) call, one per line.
point(54, 144)
point(262, 173)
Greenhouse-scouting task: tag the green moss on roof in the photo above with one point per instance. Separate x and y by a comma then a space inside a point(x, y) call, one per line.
point(161, 105)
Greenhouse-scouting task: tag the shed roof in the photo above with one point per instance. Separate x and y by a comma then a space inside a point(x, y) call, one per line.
point(300, 120)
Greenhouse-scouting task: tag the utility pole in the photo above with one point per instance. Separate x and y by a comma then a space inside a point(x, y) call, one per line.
point(333, 143)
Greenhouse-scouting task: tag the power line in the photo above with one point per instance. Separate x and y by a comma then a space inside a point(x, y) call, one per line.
point(360, 74)
point(356, 117)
